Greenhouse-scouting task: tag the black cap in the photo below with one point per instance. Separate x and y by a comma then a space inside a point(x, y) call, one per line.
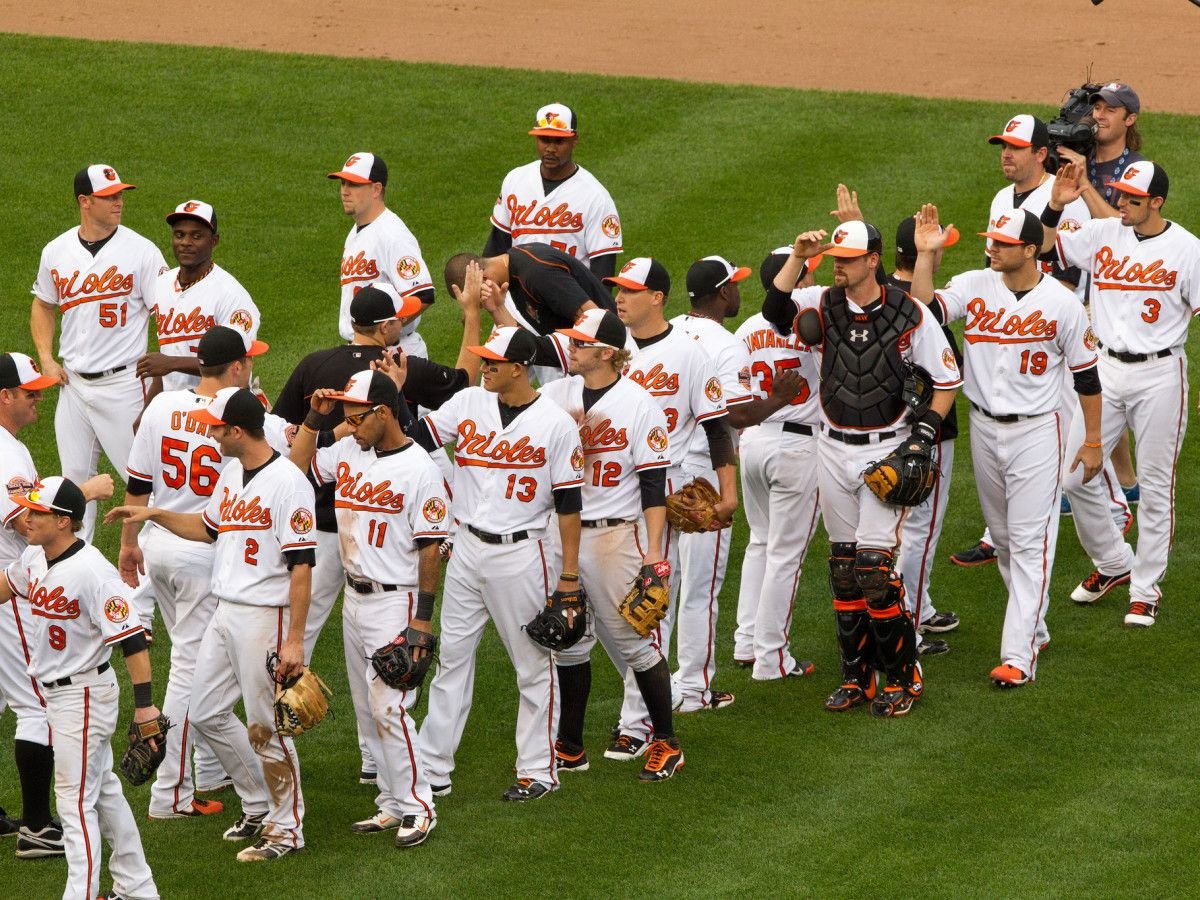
point(220, 345)
point(56, 494)
point(232, 407)
point(372, 305)
point(906, 237)
point(707, 276)
point(771, 266)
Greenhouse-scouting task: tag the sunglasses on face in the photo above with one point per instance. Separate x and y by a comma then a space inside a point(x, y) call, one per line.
point(358, 418)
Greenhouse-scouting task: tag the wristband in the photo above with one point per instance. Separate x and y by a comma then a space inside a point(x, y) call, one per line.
point(1096, 446)
point(143, 694)
point(1050, 216)
point(569, 576)
point(425, 605)
point(312, 421)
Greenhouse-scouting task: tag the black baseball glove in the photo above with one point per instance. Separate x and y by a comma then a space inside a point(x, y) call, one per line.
point(905, 477)
point(562, 623)
point(394, 663)
point(147, 749)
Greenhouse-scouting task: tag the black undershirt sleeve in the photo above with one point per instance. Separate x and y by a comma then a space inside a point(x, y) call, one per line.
point(603, 266)
point(422, 543)
point(653, 483)
point(1087, 382)
point(499, 241)
point(568, 500)
point(427, 295)
point(212, 532)
point(290, 403)
point(139, 487)
point(423, 436)
point(305, 557)
point(135, 643)
point(779, 310)
point(720, 444)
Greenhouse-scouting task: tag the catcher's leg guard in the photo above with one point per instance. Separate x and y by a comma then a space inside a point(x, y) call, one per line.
point(856, 644)
point(574, 684)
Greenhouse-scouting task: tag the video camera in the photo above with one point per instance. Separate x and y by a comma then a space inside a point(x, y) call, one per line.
point(1073, 127)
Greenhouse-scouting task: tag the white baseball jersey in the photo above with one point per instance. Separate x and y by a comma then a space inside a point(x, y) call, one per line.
point(104, 299)
point(772, 354)
point(733, 369)
point(1014, 350)
point(80, 609)
point(682, 378)
point(18, 475)
point(577, 217)
point(1074, 214)
point(256, 522)
point(182, 316)
point(384, 504)
point(385, 250)
point(507, 474)
point(622, 434)
point(1143, 292)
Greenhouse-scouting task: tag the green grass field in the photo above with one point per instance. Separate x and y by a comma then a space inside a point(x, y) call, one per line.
point(1081, 785)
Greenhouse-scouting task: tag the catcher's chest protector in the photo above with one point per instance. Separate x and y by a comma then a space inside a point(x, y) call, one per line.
point(862, 373)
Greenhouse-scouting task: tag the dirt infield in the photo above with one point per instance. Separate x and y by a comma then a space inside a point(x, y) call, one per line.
point(1019, 50)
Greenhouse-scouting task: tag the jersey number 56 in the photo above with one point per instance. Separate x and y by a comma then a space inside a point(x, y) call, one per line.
point(195, 471)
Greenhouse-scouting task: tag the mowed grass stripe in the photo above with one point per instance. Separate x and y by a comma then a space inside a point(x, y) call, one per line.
point(1081, 784)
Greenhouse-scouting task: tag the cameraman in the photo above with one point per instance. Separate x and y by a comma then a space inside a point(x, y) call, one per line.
point(1115, 109)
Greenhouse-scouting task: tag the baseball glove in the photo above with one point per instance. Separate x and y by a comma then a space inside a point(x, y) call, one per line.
point(692, 508)
point(646, 603)
point(904, 477)
point(562, 623)
point(300, 702)
point(141, 760)
point(394, 664)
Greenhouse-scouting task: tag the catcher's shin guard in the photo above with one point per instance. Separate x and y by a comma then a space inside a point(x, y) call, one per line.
point(873, 572)
point(856, 644)
point(896, 638)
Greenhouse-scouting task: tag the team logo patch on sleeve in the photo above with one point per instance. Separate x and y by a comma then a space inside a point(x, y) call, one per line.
point(657, 439)
point(409, 267)
point(712, 390)
point(744, 377)
point(302, 521)
point(116, 610)
point(434, 510)
point(1071, 225)
point(948, 359)
point(1089, 339)
point(18, 484)
point(577, 458)
point(241, 319)
point(611, 226)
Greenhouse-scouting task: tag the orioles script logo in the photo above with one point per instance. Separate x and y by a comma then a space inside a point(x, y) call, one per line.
point(656, 380)
point(52, 604)
point(472, 443)
point(1110, 268)
point(172, 323)
point(602, 437)
point(112, 283)
point(358, 267)
point(980, 319)
point(560, 218)
point(351, 486)
point(236, 511)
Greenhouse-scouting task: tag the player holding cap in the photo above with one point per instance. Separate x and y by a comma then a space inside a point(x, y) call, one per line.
point(867, 332)
point(554, 200)
point(99, 277)
point(260, 517)
point(1145, 288)
point(379, 248)
point(519, 459)
point(625, 447)
point(192, 298)
point(1022, 330)
point(81, 610)
point(392, 515)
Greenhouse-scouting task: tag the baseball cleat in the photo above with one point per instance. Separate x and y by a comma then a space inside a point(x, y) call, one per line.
point(570, 760)
point(198, 808)
point(217, 788)
point(663, 760)
point(266, 850)
point(1007, 676)
point(441, 790)
point(381, 821)
point(245, 827)
point(8, 825)
point(849, 696)
point(896, 700)
point(933, 647)
point(413, 831)
point(979, 555)
point(625, 747)
point(365, 777)
point(716, 700)
point(526, 789)
point(802, 668)
point(1096, 586)
point(939, 623)
point(40, 844)
point(1132, 494)
point(1141, 614)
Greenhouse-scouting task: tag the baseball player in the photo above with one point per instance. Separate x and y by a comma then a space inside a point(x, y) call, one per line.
point(379, 248)
point(192, 298)
point(554, 200)
point(1145, 288)
point(178, 462)
point(1021, 329)
point(392, 510)
point(518, 459)
point(866, 331)
point(99, 278)
point(626, 457)
point(260, 516)
point(779, 491)
point(81, 610)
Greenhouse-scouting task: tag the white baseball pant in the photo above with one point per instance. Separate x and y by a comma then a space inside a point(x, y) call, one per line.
point(17, 688)
point(779, 494)
point(89, 799)
point(851, 512)
point(919, 539)
point(370, 621)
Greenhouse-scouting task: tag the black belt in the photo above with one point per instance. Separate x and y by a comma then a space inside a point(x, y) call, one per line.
point(369, 587)
point(859, 439)
point(602, 523)
point(796, 428)
point(92, 376)
point(1004, 420)
point(488, 538)
point(65, 682)
point(1136, 357)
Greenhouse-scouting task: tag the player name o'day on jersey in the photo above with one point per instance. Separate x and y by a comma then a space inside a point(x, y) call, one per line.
point(772, 354)
point(506, 474)
point(623, 433)
point(1143, 292)
point(578, 216)
point(384, 503)
point(1015, 349)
